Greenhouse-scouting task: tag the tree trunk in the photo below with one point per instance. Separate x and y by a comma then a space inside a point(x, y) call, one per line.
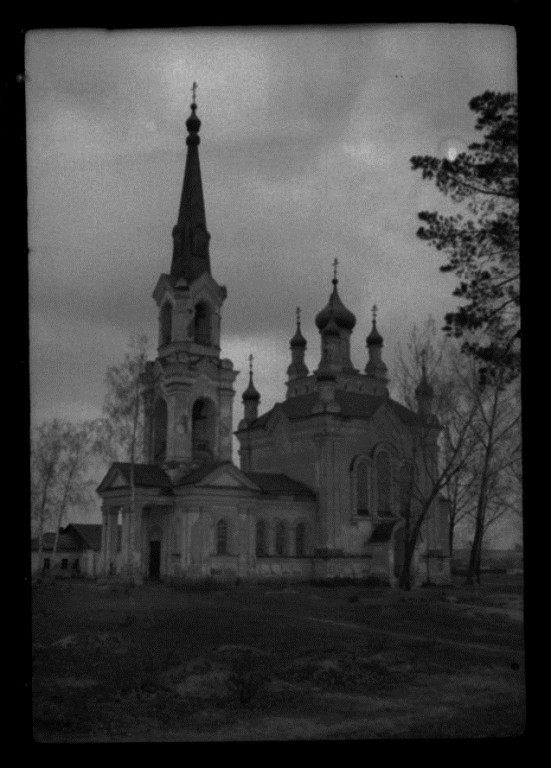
point(450, 538)
point(474, 557)
point(409, 549)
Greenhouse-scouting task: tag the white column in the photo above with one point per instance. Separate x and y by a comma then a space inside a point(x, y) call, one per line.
point(135, 548)
point(112, 536)
point(103, 552)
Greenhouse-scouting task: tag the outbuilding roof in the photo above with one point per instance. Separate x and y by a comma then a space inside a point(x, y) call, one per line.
point(89, 534)
point(65, 543)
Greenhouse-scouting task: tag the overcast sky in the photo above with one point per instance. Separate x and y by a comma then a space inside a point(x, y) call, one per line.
point(305, 144)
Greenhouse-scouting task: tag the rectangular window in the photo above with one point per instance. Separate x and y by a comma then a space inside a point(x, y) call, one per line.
point(46, 565)
point(64, 564)
point(280, 539)
point(221, 538)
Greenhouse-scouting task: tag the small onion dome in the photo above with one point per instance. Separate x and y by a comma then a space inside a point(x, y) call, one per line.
point(344, 318)
point(374, 337)
point(298, 339)
point(251, 393)
point(193, 123)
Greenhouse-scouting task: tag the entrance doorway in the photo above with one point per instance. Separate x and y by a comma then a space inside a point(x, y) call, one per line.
point(154, 560)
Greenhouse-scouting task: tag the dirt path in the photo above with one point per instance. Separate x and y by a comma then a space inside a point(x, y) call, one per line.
point(417, 638)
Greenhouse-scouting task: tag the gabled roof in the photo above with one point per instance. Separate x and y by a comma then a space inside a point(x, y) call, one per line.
point(221, 474)
point(74, 538)
point(145, 476)
point(200, 473)
point(65, 543)
point(89, 534)
point(278, 484)
point(226, 474)
point(353, 405)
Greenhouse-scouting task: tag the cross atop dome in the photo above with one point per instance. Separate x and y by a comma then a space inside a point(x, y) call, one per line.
point(251, 394)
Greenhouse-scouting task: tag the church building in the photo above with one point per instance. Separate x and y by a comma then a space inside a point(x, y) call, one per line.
point(323, 475)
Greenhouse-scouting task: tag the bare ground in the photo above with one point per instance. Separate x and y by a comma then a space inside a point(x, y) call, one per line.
point(260, 662)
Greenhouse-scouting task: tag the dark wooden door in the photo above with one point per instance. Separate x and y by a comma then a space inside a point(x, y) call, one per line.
point(154, 559)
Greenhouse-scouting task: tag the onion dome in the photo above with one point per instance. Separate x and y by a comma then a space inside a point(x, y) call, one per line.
point(343, 317)
point(374, 337)
point(251, 393)
point(298, 340)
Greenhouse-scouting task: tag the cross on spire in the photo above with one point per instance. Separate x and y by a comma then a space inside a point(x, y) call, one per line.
point(374, 310)
point(298, 315)
point(250, 365)
point(335, 264)
point(193, 90)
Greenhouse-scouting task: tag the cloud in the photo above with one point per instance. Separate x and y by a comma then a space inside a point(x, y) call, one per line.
point(305, 144)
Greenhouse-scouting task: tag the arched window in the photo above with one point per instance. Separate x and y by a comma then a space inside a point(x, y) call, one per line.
point(362, 490)
point(159, 430)
point(203, 421)
point(202, 323)
point(383, 484)
point(166, 323)
point(280, 539)
point(300, 540)
point(221, 537)
point(260, 538)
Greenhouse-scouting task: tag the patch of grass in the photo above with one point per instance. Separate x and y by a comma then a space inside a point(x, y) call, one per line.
point(270, 654)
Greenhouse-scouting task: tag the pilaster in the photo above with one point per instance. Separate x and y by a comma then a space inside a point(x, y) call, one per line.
point(329, 496)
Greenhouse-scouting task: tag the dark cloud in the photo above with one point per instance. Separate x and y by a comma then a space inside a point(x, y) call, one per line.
point(306, 140)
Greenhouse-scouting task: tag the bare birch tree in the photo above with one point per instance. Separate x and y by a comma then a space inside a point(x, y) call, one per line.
point(46, 449)
point(496, 430)
point(438, 448)
point(74, 485)
point(60, 459)
point(123, 424)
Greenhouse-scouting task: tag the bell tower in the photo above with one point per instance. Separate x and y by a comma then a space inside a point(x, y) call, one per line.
point(188, 390)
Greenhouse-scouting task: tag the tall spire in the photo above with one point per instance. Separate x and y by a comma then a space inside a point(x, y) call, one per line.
point(190, 256)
